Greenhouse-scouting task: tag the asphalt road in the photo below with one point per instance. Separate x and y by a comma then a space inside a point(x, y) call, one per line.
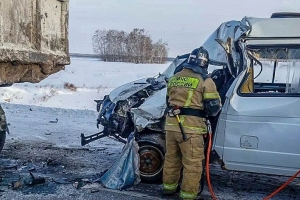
point(47, 150)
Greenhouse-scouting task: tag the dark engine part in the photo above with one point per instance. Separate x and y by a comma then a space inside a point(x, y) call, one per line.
point(116, 118)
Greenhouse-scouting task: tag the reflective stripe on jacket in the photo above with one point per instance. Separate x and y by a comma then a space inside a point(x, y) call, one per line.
point(188, 89)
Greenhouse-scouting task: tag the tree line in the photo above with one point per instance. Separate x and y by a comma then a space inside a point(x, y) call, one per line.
point(136, 46)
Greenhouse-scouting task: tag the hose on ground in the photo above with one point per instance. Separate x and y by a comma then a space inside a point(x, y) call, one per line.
point(282, 186)
point(207, 162)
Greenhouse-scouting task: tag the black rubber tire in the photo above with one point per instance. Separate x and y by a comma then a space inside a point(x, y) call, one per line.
point(2, 139)
point(156, 177)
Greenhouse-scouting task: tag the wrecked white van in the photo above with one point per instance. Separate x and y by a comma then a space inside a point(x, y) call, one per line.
point(258, 127)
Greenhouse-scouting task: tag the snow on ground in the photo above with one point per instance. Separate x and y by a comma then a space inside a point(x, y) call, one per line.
point(75, 110)
point(42, 103)
point(31, 108)
point(92, 78)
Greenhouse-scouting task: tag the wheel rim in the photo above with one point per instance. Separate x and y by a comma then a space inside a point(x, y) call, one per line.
point(151, 160)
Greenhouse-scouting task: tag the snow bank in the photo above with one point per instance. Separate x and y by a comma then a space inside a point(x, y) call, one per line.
point(92, 79)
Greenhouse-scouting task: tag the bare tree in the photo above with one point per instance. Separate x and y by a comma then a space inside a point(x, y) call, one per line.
point(161, 50)
point(136, 46)
point(100, 42)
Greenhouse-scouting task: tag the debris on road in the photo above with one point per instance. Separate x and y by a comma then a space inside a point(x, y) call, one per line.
point(16, 185)
point(32, 180)
point(61, 181)
point(56, 120)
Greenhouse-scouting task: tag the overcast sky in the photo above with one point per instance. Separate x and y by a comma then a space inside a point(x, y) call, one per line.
point(183, 24)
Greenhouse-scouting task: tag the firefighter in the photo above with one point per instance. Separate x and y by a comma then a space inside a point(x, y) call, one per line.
point(191, 96)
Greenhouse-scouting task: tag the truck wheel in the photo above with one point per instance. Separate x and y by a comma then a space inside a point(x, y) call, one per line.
point(2, 139)
point(3, 128)
point(151, 162)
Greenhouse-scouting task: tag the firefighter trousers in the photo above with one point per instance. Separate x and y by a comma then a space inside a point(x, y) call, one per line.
point(188, 154)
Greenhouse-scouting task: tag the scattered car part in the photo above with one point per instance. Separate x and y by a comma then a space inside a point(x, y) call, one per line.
point(16, 185)
point(32, 180)
point(53, 121)
point(61, 181)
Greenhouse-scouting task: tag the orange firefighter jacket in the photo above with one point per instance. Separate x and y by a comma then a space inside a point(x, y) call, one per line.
point(188, 89)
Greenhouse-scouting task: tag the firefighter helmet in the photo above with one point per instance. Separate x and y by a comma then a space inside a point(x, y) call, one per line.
point(199, 57)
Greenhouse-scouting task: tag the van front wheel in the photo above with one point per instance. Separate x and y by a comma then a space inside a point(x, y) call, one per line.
point(151, 162)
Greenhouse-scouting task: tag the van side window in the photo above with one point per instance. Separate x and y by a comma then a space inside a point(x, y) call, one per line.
point(278, 74)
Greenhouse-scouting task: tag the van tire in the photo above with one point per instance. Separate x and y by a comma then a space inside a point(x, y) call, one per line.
point(151, 162)
point(2, 139)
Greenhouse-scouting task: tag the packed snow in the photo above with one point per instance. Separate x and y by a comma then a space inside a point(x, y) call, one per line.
point(32, 109)
point(92, 79)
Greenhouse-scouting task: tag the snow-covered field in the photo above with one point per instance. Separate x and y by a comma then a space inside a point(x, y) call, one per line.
point(91, 77)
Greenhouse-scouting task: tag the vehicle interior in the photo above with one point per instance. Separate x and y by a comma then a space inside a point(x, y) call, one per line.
point(272, 71)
